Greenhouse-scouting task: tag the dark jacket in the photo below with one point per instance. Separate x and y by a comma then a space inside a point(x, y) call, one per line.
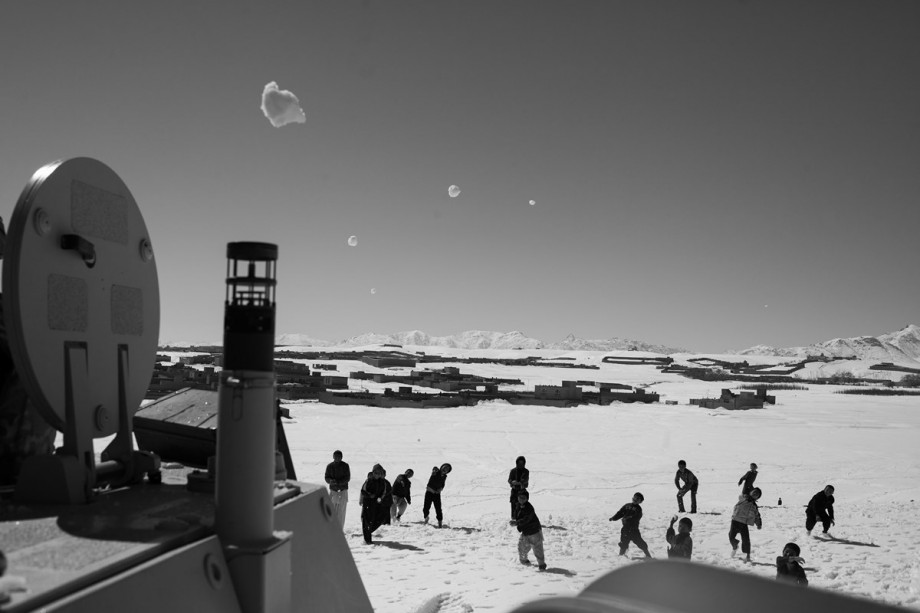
point(748, 479)
point(373, 513)
point(790, 570)
point(630, 513)
point(402, 487)
point(690, 480)
point(522, 476)
point(527, 521)
point(821, 501)
point(338, 476)
point(374, 489)
point(436, 481)
point(681, 545)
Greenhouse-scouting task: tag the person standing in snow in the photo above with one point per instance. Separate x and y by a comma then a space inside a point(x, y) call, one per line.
point(746, 513)
point(748, 479)
point(402, 494)
point(789, 565)
point(680, 544)
point(821, 506)
point(433, 492)
point(376, 500)
point(690, 484)
point(518, 479)
point(338, 474)
point(631, 513)
point(528, 524)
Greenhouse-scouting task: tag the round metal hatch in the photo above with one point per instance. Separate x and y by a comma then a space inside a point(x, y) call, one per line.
point(79, 274)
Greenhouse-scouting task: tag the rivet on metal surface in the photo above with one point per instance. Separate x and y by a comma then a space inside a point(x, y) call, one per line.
point(101, 417)
point(146, 250)
point(213, 572)
point(41, 221)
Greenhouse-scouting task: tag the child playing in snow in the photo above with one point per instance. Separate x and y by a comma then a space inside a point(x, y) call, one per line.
point(820, 507)
point(690, 484)
point(789, 565)
point(376, 500)
point(631, 513)
point(528, 524)
point(748, 479)
point(433, 492)
point(680, 543)
point(402, 495)
point(518, 479)
point(745, 514)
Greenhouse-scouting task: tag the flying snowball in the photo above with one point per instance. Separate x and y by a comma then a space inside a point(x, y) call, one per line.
point(453, 191)
point(280, 106)
point(373, 290)
point(533, 202)
point(352, 240)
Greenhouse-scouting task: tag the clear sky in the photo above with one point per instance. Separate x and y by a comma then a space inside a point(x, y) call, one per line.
point(709, 175)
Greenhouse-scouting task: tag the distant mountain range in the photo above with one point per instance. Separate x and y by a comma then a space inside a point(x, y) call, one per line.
point(479, 339)
point(894, 347)
point(903, 345)
point(900, 346)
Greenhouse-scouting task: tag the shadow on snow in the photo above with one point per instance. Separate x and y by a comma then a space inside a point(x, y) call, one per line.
point(560, 571)
point(394, 545)
point(834, 539)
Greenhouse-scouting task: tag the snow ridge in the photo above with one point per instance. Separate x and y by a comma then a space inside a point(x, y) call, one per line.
point(901, 346)
point(480, 339)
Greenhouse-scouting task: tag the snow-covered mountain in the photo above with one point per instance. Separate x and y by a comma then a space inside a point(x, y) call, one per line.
point(900, 346)
point(301, 340)
point(471, 339)
point(479, 339)
point(612, 344)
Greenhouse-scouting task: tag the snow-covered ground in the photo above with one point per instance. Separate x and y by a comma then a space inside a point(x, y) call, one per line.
point(587, 461)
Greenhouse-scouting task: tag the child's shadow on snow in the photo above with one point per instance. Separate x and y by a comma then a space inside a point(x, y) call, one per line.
point(834, 539)
point(394, 545)
point(560, 571)
point(462, 529)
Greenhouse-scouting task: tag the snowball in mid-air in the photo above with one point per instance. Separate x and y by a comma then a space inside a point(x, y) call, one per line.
point(352, 240)
point(373, 290)
point(453, 191)
point(533, 202)
point(280, 106)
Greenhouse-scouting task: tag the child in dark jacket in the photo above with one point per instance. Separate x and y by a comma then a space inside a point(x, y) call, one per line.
point(820, 508)
point(748, 479)
point(685, 481)
point(680, 543)
point(528, 524)
point(789, 565)
point(402, 495)
point(376, 500)
point(433, 491)
point(518, 479)
point(631, 513)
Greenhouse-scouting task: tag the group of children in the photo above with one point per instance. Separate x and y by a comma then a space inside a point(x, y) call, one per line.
point(680, 544)
point(383, 503)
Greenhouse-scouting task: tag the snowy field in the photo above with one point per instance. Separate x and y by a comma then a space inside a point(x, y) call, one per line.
point(586, 462)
